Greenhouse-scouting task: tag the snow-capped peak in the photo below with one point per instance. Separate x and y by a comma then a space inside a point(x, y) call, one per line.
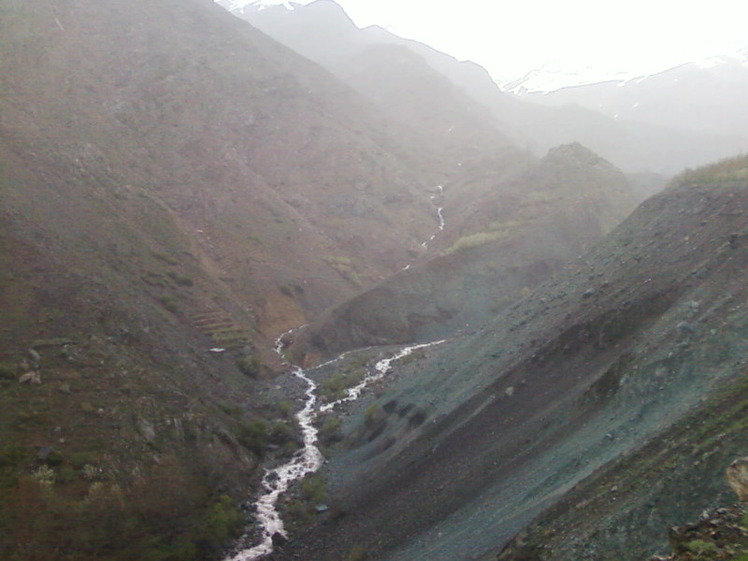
point(238, 5)
point(554, 76)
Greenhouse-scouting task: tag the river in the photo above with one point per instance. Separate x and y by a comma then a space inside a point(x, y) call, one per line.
point(308, 459)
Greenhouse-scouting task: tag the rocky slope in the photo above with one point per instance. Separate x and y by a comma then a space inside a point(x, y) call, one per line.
point(605, 405)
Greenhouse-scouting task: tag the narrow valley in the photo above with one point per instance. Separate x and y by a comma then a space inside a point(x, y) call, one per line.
point(524, 325)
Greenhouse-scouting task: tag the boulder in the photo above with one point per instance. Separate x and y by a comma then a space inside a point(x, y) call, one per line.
point(737, 478)
point(32, 377)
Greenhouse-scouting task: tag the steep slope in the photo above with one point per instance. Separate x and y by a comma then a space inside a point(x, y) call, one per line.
point(589, 379)
point(513, 221)
point(126, 420)
point(262, 153)
point(175, 190)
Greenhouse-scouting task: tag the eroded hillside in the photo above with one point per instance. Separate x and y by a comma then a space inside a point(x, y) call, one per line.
point(607, 400)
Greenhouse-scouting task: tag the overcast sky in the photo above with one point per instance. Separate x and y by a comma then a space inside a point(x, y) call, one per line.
point(511, 38)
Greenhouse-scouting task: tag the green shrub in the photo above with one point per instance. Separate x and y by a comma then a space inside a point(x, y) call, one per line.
point(334, 387)
point(8, 371)
point(371, 413)
point(702, 549)
point(79, 460)
point(165, 257)
point(744, 520)
point(330, 431)
point(285, 408)
point(11, 455)
point(357, 553)
point(314, 489)
point(222, 521)
point(281, 433)
point(249, 365)
point(54, 458)
point(169, 301)
point(255, 436)
point(180, 279)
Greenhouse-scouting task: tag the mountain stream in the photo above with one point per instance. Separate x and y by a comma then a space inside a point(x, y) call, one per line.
point(308, 459)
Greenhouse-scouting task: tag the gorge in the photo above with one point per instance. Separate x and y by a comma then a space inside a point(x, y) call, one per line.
point(515, 346)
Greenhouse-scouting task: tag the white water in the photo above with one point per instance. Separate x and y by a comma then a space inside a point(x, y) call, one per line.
point(381, 368)
point(440, 215)
point(307, 460)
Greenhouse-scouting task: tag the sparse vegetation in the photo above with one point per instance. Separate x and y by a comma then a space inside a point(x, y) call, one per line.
point(357, 553)
point(180, 279)
point(8, 371)
point(165, 257)
point(730, 171)
point(496, 231)
point(171, 518)
point(249, 365)
point(334, 387)
point(344, 266)
point(372, 413)
point(255, 436)
point(314, 489)
point(702, 550)
point(330, 430)
point(170, 302)
point(258, 435)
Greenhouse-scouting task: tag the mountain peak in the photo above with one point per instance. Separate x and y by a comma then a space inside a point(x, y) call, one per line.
point(573, 151)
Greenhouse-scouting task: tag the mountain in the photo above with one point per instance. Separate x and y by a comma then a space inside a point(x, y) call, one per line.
point(405, 79)
point(701, 98)
point(323, 32)
point(289, 158)
point(512, 224)
point(599, 410)
point(176, 189)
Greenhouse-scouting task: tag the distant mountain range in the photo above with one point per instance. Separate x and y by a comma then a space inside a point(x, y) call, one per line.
point(707, 97)
point(548, 79)
point(653, 140)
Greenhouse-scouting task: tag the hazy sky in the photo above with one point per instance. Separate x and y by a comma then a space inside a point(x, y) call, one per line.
point(512, 38)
